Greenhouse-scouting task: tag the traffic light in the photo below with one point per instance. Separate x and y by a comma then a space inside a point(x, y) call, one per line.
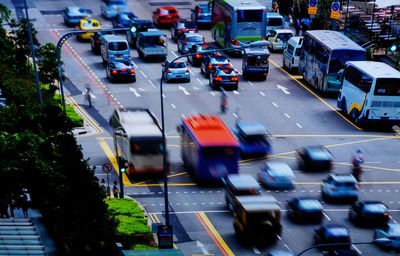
point(122, 164)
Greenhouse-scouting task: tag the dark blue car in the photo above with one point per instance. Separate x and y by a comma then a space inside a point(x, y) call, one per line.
point(253, 139)
point(369, 213)
point(201, 15)
point(332, 234)
point(123, 20)
point(305, 210)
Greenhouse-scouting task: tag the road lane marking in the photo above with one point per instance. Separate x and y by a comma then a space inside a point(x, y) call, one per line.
point(326, 216)
point(151, 82)
point(298, 125)
point(111, 157)
point(235, 92)
point(141, 89)
point(250, 83)
point(287, 115)
point(173, 53)
point(173, 106)
point(235, 115)
point(283, 89)
point(275, 105)
point(88, 118)
point(141, 72)
point(134, 64)
point(212, 93)
point(279, 237)
point(255, 250)
point(316, 96)
point(135, 92)
point(355, 248)
point(213, 233)
point(191, 72)
point(183, 89)
point(262, 94)
point(200, 82)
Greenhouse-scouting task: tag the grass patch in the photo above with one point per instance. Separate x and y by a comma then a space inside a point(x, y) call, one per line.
point(144, 247)
point(76, 119)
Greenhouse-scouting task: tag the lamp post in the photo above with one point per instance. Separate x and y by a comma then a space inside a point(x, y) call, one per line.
point(251, 45)
point(379, 241)
point(61, 42)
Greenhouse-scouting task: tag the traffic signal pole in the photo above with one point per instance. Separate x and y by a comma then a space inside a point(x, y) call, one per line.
point(122, 169)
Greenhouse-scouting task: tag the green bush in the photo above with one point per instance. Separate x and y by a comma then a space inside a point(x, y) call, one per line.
point(125, 207)
point(144, 247)
point(76, 119)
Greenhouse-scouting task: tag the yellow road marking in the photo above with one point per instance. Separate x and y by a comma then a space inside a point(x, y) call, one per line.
point(169, 176)
point(84, 114)
point(111, 157)
point(297, 77)
point(213, 233)
point(316, 96)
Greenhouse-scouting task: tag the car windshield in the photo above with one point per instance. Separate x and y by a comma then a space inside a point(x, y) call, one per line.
point(257, 60)
point(177, 65)
point(195, 39)
point(274, 22)
point(249, 15)
point(123, 64)
point(337, 232)
point(284, 36)
point(254, 138)
point(155, 41)
point(220, 59)
point(377, 208)
point(319, 154)
point(310, 204)
point(89, 24)
point(348, 184)
point(218, 151)
point(146, 147)
point(117, 46)
point(166, 12)
point(116, 2)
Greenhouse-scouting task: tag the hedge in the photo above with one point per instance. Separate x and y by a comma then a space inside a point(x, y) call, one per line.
point(76, 119)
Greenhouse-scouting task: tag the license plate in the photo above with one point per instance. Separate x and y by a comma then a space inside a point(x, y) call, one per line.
point(118, 56)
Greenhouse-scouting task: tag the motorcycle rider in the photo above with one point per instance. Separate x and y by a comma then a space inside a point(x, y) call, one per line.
point(356, 160)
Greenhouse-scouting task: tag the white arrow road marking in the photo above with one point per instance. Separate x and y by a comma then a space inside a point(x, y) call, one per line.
point(202, 247)
point(283, 89)
point(141, 89)
point(134, 92)
point(183, 89)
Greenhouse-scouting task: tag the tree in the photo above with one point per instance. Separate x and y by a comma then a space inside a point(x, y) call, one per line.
point(47, 64)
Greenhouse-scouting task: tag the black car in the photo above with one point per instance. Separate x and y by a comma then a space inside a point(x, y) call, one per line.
point(314, 158)
point(305, 209)
point(121, 71)
point(136, 27)
point(331, 234)
point(181, 27)
point(343, 252)
point(374, 213)
point(211, 61)
point(224, 77)
point(199, 51)
point(95, 41)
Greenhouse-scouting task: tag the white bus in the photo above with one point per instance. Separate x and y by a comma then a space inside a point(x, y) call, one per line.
point(138, 138)
point(323, 54)
point(370, 93)
point(236, 23)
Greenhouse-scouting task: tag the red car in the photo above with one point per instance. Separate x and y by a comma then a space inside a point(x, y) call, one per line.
point(165, 16)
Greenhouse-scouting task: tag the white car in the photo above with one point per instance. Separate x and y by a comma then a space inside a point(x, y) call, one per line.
point(276, 175)
point(278, 38)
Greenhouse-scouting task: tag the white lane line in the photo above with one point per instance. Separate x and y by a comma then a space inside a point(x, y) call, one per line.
point(200, 82)
point(372, 162)
point(151, 82)
point(287, 247)
point(262, 94)
point(141, 89)
point(134, 64)
point(235, 92)
point(298, 125)
point(173, 106)
point(235, 115)
point(183, 89)
point(256, 251)
point(355, 248)
point(191, 72)
point(287, 115)
point(283, 89)
point(173, 53)
point(394, 221)
point(141, 72)
point(326, 216)
point(250, 83)
point(134, 92)
point(280, 238)
point(275, 105)
point(212, 93)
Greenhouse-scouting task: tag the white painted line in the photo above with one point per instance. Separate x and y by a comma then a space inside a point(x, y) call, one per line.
point(372, 162)
point(394, 221)
point(256, 251)
point(298, 125)
point(287, 247)
point(275, 105)
point(262, 94)
point(141, 89)
point(280, 238)
point(173, 53)
point(287, 115)
point(235, 92)
point(151, 82)
point(134, 64)
point(212, 93)
point(355, 248)
point(134, 92)
point(191, 72)
point(141, 72)
point(183, 89)
point(326, 216)
point(283, 89)
point(235, 115)
point(196, 88)
point(163, 95)
point(200, 82)
point(250, 83)
point(173, 106)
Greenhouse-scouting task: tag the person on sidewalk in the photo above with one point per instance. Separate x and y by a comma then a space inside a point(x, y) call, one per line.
point(115, 190)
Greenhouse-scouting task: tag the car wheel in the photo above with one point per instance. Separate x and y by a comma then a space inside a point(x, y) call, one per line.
point(188, 80)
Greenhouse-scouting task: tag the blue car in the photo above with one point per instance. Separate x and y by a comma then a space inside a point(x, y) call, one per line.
point(111, 8)
point(276, 175)
point(124, 20)
point(331, 234)
point(201, 15)
point(305, 210)
point(253, 139)
point(73, 14)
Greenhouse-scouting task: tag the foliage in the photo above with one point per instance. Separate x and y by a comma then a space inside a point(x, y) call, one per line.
point(76, 120)
point(124, 207)
point(144, 247)
point(47, 65)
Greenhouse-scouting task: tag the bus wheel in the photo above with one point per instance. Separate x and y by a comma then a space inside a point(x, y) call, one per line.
point(354, 115)
point(343, 106)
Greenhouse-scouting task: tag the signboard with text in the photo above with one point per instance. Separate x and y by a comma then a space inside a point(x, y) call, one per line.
point(312, 7)
point(165, 237)
point(335, 10)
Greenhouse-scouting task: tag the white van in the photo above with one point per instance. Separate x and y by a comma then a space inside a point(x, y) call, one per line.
point(291, 53)
point(274, 21)
point(114, 48)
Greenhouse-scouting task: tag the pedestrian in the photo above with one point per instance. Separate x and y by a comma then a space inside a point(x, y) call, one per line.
point(25, 205)
point(357, 160)
point(88, 95)
point(3, 209)
point(103, 185)
point(297, 26)
point(224, 101)
point(115, 190)
point(12, 205)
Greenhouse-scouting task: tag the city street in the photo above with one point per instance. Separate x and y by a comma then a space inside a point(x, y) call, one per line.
point(294, 114)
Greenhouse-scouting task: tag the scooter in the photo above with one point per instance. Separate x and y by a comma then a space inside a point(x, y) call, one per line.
point(356, 172)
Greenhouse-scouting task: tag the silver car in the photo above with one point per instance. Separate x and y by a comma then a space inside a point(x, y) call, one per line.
point(176, 71)
point(276, 175)
point(278, 38)
point(186, 41)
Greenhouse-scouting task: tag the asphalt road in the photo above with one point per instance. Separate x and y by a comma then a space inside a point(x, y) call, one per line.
point(294, 114)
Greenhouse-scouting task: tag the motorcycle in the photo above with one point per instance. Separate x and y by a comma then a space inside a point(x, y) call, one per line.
point(356, 172)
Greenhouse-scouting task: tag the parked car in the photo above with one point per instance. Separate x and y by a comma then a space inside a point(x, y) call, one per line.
point(180, 27)
point(73, 15)
point(340, 186)
point(201, 15)
point(369, 213)
point(211, 61)
point(123, 19)
point(314, 158)
point(253, 139)
point(390, 234)
point(88, 24)
point(110, 8)
point(165, 16)
point(278, 38)
point(291, 53)
point(224, 77)
point(95, 40)
point(137, 26)
point(276, 175)
point(305, 210)
point(332, 233)
point(239, 185)
point(177, 71)
point(121, 71)
point(199, 51)
point(188, 39)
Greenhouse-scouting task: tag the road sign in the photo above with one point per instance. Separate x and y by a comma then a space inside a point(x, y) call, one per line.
point(335, 10)
point(312, 7)
point(107, 168)
point(165, 237)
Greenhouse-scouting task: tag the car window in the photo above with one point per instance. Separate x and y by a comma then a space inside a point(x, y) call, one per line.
point(348, 184)
point(394, 230)
point(375, 208)
point(178, 65)
point(284, 36)
point(164, 12)
point(196, 39)
point(274, 21)
point(309, 204)
point(117, 46)
point(247, 192)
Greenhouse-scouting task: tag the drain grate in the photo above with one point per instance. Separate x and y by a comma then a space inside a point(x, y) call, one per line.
point(169, 3)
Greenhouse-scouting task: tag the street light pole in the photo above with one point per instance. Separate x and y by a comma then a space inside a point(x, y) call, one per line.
point(165, 171)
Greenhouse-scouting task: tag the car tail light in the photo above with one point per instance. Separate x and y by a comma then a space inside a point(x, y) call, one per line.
point(168, 70)
point(187, 70)
point(235, 79)
point(210, 66)
point(199, 10)
point(97, 41)
point(217, 78)
point(114, 72)
point(235, 42)
point(132, 71)
point(197, 56)
point(123, 69)
point(386, 215)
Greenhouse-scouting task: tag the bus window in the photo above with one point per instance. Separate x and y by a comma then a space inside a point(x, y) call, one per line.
point(340, 57)
point(387, 87)
point(218, 151)
point(274, 22)
point(148, 147)
point(250, 15)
